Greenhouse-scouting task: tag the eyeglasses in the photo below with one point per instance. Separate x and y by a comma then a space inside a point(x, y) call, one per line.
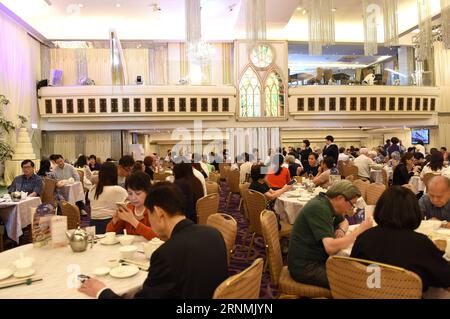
point(351, 203)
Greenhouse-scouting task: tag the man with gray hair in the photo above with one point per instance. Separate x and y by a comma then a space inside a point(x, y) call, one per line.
point(436, 203)
point(320, 231)
point(365, 163)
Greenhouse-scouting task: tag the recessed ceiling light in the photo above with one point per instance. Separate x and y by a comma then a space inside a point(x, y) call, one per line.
point(80, 5)
point(334, 9)
point(299, 8)
point(117, 5)
point(304, 12)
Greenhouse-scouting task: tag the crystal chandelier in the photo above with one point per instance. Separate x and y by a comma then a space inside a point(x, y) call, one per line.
point(321, 25)
point(425, 37)
point(199, 51)
point(371, 13)
point(445, 22)
point(390, 18)
point(256, 21)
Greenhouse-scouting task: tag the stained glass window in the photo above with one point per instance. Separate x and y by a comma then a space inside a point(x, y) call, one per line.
point(274, 95)
point(261, 56)
point(250, 94)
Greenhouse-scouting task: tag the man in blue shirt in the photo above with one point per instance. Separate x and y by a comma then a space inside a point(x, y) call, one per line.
point(29, 182)
point(436, 203)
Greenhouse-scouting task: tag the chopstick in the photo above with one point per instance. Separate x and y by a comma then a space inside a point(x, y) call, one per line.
point(18, 282)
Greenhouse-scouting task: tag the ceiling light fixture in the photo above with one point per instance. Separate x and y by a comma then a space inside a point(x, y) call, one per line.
point(80, 5)
point(117, 5)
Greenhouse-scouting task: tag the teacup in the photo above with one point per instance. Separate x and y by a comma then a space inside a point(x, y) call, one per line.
point(110, 237)
point(71, 180)
point(23, 265)
point(151, 246)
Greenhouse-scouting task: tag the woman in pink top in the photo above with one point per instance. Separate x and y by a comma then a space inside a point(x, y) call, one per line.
point(278, 175)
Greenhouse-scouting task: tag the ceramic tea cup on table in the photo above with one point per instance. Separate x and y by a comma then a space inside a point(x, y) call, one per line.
point(151, 246)
point(110, 237)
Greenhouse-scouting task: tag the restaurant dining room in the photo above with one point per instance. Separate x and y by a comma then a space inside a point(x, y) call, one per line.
point(259, 152)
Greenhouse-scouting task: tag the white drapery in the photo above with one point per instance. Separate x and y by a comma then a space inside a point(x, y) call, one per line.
point(242, 140)
point(98, 144)
point(98, 65)
point(441, 64)
point(64, 144)
point(158, 65)
point(19, 71)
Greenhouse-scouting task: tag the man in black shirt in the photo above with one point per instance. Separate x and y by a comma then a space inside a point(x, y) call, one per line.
point(330, 149)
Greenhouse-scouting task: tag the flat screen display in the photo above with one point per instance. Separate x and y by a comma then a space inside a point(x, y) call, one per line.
point(420, 135)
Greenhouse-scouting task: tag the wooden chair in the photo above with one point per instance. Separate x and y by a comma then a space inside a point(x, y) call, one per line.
point(427, 178)
point(362, 186)
point(206, 206)
point(224, 169)
point(373, 193)
point(351, 170)
point(245, 285)
point(385, 178)
point(349, 279)
point(212, 188)
point(214, 177)
point(227, 226)
point(242, 189)
point(72, 212)
point(233, 184)
point(48, 191)
point(81, 174)
point(279, 274)
point(160, 177)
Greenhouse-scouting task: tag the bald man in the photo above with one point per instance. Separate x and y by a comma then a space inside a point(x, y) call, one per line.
point(436, 203)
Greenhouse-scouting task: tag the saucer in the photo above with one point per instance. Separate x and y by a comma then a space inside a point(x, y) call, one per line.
point(101, 271)
point(27, 273)
point(104, 241)
point(124, 271)
point(5, 273)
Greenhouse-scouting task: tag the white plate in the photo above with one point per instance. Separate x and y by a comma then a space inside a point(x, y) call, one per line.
point(5, 273)
point(24, 273)
point(124, 271)
point(101, 271)
point(103, 241)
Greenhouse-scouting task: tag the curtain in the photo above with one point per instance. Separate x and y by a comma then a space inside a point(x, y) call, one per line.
point(441, 64)
point(98, 65)
point(158, 66)
point(98, 144)
point(65, 144)
point(227, 63)
point(136, 61)
point(65, 60)
point(20, 69)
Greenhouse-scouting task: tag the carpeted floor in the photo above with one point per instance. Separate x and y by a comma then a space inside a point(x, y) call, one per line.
point(239, 259)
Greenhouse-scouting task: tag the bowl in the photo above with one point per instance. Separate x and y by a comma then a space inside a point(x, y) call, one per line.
point(112, 263)
point(126, 240)
point(127, 252)
point(101, 271)
point(433, 224)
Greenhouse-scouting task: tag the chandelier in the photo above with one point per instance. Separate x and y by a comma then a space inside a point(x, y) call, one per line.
point(425, 36)
point(321, 25)
point(390, 18)
point(371, 12)
point(256, 21)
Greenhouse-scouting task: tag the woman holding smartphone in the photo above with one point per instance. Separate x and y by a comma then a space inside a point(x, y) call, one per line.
point(133, 216)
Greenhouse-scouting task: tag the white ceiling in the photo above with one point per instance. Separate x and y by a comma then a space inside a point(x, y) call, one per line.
point(221, 19)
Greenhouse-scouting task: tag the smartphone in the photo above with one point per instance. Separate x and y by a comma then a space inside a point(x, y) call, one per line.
point(292, 182)
point(122, 205)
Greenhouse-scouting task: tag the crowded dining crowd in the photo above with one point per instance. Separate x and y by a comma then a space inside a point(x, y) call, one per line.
point(321, 201)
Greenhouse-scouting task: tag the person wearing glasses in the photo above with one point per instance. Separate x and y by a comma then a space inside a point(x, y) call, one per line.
point(320, 231)
point(29, 182)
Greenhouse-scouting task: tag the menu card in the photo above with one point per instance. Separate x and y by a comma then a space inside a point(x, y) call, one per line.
point(58, 231)
point(41, 223)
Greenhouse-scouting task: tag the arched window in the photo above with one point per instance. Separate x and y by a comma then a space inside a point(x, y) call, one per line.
point(250, 94)
point(274, 95)
point(262, 98)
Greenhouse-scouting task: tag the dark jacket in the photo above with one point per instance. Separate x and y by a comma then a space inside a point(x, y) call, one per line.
point(190, 265)
point(332, 151)
point(304, 154)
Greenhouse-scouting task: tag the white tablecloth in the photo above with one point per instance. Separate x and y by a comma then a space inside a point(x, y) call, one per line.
point(289, 208)
point(72, 192)
point(417, 184)
point(377, 177)
point(60, 267)
point(17, 215)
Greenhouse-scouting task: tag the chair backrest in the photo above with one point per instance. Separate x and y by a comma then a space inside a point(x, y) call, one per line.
point(214, 177)
point(341, 167)
point(351, 170)
point(212, 188)
point(224, 169)
point(81, 174)
point(373, 193)
point(161, 176)
point(245, 285)
point(350, 278)
point(243, 190)
point(48, 191)
point(72, 212)
point(227, 226)
point(233, 181)
point(256, 203)
point(362, 186)
point(385, 178)
point(269, 226)
point(427, 177)
point(206, 206)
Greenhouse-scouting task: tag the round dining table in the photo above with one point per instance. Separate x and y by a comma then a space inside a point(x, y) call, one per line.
point(59, 269)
